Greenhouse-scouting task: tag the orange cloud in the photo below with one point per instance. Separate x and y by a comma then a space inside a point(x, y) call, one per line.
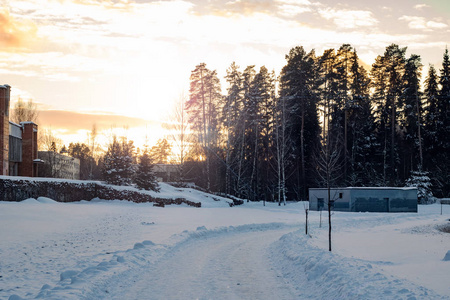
point(74, 121)
point(15, 33)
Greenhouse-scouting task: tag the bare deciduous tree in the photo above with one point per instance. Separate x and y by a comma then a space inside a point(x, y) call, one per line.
point(24, 111)
point(94, 150)
point(179, 137)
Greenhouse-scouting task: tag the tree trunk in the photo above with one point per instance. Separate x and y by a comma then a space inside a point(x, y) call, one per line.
point(418, 131)
point(393, 141)
point(302, 146)
point(306, 225)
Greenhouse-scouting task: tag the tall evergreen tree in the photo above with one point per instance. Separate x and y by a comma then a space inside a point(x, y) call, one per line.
point(442, 159)
point(332, 98)
point(260, 99)
point(360, 128)
point(344, 60)
point(298, 96)
point(118, 166)
point(422, 182)
point(412, 117)
point(444, 102)
point(245, 152)
point(160, 153)
point(431, 115)
point(387, 79)
point(203, 107)
point(233, 128)
point(443, 106)
point(145, 177)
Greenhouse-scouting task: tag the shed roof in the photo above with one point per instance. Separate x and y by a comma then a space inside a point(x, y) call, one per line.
point(368, 188)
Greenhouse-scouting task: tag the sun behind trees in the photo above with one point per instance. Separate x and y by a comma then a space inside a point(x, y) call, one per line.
point(262, 140)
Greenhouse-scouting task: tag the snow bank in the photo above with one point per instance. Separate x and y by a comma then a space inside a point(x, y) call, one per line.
point(46, 200)
point(320, 274)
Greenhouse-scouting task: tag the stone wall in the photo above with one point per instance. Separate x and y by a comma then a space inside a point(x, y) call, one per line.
point(70, 191)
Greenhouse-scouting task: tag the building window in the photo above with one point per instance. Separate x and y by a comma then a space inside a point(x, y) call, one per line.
point(320, 203)
point(340, 195)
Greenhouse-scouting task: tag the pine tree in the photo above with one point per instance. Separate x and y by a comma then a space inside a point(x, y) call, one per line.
point(127, 160)
point(161, 152)
point(387, 82)
point(118, 166)
point(412, 116)
point(244, 148)
point(331, 150)
point(204, 103)
point(145, 177)
point(233, 128)
point(442, 158)
point(361, 142)
point(298, 83)
point(444, 103)
point(344, 60)
point(431, 115)
point(259, 95)
point(422, 182)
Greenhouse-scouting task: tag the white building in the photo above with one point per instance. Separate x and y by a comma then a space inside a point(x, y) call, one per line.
point(370, 199)
point(59, 166)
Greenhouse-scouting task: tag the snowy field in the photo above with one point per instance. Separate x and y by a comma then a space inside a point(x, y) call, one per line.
point(122, 250)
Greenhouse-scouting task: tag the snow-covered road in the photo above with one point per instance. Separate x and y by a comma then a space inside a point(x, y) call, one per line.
point(234, 266)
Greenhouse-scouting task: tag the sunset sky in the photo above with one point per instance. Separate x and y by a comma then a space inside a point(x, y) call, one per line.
point(123, 63)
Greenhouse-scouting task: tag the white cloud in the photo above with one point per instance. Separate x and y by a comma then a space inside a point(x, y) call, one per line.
point(349, 19)
point(436, 25)
point(294, 2)
point(292, 8)
point(422, 24)
point(421, 6)
point(288, 10)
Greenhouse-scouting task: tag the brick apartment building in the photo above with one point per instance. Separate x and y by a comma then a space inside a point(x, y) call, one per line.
point(18, 142)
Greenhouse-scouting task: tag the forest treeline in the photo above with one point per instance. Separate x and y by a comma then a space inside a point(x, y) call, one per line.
point(324, 120)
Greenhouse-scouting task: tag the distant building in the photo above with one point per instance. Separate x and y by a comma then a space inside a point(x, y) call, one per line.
point(166, 172)
point(18, 142)
point(370, 199)
point(58, 165)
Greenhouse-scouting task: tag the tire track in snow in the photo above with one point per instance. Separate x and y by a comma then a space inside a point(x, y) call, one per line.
point(229, 266)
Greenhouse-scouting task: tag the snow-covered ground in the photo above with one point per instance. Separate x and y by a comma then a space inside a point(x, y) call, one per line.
point(122, 250)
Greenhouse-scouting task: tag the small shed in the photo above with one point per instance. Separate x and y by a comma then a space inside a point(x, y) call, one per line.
point(365, 199)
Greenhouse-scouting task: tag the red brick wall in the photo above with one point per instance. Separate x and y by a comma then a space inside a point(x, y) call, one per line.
point(29, 150)
point(4, 129)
